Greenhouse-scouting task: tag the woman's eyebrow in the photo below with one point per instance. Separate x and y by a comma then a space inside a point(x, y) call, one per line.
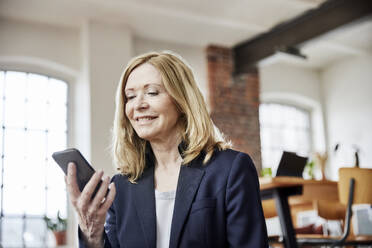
point(128, 90)
point(152, 84)
point(145, 86)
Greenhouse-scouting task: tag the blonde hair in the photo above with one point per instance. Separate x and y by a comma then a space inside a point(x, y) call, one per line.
point(198, 131)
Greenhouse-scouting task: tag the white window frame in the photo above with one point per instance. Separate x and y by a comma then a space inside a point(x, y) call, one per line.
point(276, 149)
point(23, 216)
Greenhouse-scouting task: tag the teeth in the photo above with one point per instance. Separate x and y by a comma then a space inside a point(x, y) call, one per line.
point(145, 118)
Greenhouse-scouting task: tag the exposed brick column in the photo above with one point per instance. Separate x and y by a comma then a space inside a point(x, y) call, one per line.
point(234, 102)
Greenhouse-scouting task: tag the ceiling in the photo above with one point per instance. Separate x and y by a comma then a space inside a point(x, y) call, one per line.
point(198, 23)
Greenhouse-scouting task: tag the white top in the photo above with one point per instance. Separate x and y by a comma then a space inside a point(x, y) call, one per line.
point(164, 212)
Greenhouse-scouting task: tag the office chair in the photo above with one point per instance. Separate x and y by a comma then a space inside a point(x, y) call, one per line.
point(354, 187)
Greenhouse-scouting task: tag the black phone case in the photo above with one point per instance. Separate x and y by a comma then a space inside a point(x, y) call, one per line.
point(84, 171)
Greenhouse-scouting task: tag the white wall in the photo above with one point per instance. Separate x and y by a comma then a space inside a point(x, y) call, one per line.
point(284, 83)
point(285, 78)
point(58, 45)
point(106, 51)
point(347, 89)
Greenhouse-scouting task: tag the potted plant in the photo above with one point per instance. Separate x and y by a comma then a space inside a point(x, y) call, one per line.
point(310, 170)
point(58, 227)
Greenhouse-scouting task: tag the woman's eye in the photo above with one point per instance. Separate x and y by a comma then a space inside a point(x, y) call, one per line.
point(152, 93)
point(130, 97)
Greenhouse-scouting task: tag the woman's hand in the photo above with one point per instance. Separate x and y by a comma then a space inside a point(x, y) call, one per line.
point(91, 212)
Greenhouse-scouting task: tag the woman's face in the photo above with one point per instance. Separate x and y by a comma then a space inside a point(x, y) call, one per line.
point(149, 107)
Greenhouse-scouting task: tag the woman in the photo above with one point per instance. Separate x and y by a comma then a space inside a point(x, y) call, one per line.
point(179, 185)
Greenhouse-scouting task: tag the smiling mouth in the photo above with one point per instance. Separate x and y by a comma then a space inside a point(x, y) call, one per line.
point(145, 118)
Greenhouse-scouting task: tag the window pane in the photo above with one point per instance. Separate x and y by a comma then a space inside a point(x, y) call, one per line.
point(1, 189)
point(2, 82)
point(1, 141)
point(265, 137)
point(15, 174)
point(35, 198)
point(57, 91)
point(36, 144)
point(56, 201)
point(56, 141)
point(265, 158)
point(15, 113)
point(282, 128)
point(15, 86)
point(35, 170)
point(14, 142)
point(11, 229)
point(290, 141)
point(37, 88)
point(55, 176)
point(1, 112)
point(14, 202)
point(36, 115)
point(57, 117)
point(303, 120)
point(35, 233)
point(276, 135)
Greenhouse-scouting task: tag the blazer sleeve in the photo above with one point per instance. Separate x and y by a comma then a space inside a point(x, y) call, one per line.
point(110, 235)
point(82, 244)
point(245, 220)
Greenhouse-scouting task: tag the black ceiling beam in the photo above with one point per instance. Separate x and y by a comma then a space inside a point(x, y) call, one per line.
point(290, 34)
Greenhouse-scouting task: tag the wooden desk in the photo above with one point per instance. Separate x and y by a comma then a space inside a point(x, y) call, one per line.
point(312, 190)
point(300, 191)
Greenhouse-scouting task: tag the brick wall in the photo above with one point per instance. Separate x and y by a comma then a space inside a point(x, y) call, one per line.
point(234, 102)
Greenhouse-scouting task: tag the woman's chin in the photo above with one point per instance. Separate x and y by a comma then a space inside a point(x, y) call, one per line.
point(146, 136)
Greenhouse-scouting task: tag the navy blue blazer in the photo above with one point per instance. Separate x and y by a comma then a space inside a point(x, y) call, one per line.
point(216, 205)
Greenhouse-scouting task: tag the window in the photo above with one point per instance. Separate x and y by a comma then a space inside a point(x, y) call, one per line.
point(283, 127)
point(33, 117)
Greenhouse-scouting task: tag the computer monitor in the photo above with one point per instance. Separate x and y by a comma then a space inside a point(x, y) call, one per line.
point(291, 165)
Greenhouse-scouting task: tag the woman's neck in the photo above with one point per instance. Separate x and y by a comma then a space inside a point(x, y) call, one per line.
point(167, 165)
point(166, 153)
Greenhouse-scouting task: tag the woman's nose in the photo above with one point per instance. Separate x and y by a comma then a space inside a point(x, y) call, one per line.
point(141, 103)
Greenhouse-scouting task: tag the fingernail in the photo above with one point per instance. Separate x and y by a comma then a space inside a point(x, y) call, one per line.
point(70, 165)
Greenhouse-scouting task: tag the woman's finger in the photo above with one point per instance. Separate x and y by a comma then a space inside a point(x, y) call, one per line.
point(72, 186)
point(96, 203)
point(109, 198)
point(86, 194)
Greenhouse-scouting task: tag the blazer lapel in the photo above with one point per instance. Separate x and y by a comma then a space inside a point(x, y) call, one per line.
point(188, 184)
point(144, 200)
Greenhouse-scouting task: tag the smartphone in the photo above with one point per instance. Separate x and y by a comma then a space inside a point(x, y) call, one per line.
point(84, 171)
